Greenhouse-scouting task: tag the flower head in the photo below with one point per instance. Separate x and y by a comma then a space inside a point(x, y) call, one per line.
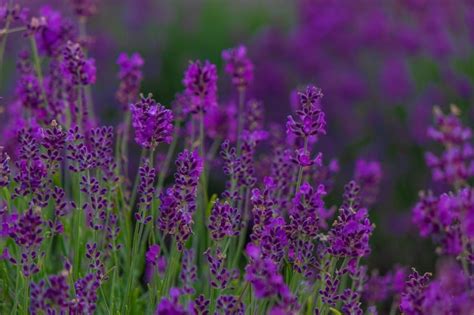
point(130, 76)
point(239, 66)
point(200, 81)
point(153, 123)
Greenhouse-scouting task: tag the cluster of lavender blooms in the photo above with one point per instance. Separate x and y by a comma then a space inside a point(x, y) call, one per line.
point(79, 235)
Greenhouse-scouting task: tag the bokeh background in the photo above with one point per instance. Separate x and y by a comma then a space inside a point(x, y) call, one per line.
point(382, 66)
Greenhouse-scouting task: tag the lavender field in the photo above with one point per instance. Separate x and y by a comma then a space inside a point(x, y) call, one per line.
point(237, 157)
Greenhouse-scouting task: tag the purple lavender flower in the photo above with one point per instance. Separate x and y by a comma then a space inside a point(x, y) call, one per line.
point(8, 222)
point(146, 187)
point(28, 234)
point(54, 142)
point(96, 205)
point(178, 203)
point(223, 221)
point(229, 305)
point(154, 261)
point(450, 293)
point(50, 297)
point(28, 88)
point(263, 274)
point(447, 219)
point(239, 66)
point(349, 234)
point(262, 210)
point(200, 306)
point(76, 67)
point(4, 168)
point(153, 123)
point(130, 76)
point(273, 240)
point(200, 81)
point(303, 226)
point(412, 297)
point(455, 165)
point(78, 153)
point(171, 306)
point(188, 271)
point(368, 174)
point(221, 122)
point(311, 119)
point(220, 276)
point(85, 301)
point(55, 33)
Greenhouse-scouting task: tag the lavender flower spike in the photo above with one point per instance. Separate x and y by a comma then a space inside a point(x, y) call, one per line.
point(153, 123)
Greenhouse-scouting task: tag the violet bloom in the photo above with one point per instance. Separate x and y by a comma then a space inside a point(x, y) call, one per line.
point(412, 297)
point(311, 119)
point(447, 219)
point(8, 222)
point(200, 81)
point(85, 301)
point(4, 168)
point(76, 67)
point(188, 271)
point(264, 276)
point(229, 305)
point(155, 261)
point(153, 123)
point(55, 33)
point(171, 306)
point(146, 187)
point(220, 276)
point(239, 66)
point(450, 293)
point(28, 87)
point(303, 226)
point(54, 142)
point(200, 306)
point(28, 234)
point(368, 174)
point(456, 164)
point(223, 221)
point(50, 297)
point(221, 122)
point(178, 203)
point(350, 233)
point(130, 76)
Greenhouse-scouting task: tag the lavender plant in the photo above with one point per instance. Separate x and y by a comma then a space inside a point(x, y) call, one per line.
point(80, 233)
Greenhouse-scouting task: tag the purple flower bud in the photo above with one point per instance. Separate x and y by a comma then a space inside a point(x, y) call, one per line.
point(239, 66)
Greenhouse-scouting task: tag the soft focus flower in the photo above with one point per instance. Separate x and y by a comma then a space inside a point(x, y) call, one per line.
point(200, 81)
point(130, 76)
point(368, 174)
point(76, 67)
point(239, 66)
